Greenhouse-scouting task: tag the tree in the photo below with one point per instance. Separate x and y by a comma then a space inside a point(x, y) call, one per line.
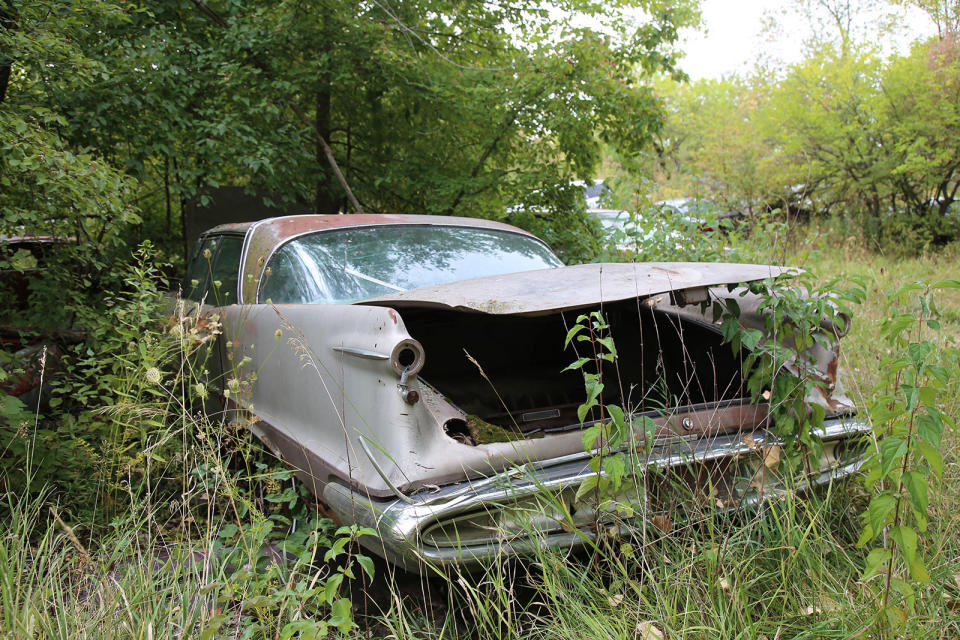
point(429, 106)
point(945, 14)
point(47, 185)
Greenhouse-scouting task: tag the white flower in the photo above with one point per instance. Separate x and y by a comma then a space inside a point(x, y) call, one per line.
point(153, 375)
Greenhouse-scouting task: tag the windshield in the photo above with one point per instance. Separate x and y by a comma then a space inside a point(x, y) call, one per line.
point(347, 265)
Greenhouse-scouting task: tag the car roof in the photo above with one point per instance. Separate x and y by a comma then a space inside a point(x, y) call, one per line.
point(283, 227)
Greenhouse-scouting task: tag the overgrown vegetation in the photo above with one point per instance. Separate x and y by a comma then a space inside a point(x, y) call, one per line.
point(138, 512)
point(852, 131)
point(135, 507)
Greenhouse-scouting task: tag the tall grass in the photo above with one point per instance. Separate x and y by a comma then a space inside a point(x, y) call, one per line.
point(200, 552)
point(790, 570)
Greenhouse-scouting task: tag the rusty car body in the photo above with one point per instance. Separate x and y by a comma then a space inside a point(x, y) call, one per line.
point(378, 352)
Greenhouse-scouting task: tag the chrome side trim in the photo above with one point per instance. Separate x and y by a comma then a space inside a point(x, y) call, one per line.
point(362, 353)
point(400, 521)
point(243, 258)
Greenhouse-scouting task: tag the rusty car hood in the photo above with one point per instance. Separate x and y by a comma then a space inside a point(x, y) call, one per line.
point(550, 290)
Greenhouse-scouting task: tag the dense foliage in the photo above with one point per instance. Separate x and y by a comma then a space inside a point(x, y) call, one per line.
point(424, 107)
point(113, 115)
point(137, 508)
point(846, 132)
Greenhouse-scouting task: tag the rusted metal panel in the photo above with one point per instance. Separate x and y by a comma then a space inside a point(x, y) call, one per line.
point(550, 290)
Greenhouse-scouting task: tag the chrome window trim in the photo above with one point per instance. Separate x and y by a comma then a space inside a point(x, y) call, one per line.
point(248, 234)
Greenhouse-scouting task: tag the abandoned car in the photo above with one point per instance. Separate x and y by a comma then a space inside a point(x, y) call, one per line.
point(412, 369)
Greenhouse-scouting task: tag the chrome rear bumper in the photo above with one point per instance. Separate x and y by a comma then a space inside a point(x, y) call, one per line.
point(475, 521)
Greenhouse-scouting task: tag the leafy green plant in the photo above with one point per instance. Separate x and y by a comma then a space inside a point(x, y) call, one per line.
point(800, 325)
point(292, 565)
point(657, 234)
point(909, 426)
point(610, 427)
point(180, 505)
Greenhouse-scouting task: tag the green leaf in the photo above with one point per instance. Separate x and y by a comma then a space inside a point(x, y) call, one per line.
point(574, 330)
point(608, 343)
point(341, 615)
point(896, 617)
point(928, 396)
point(616, 414)
point(649, 426)
point(594, 389)
point(213, 626)
point(617, 426)
point(577, 364)
point(898, 325)
point(874, 563)
point(918, 570)
point(615, 466)
point(590, 436)
point(880, 510)
point(892, 448)
point(256, 602)
point(919, 352)
point(751, 338)
point(583, 409)
point(931, 455)
point(946, 284)
point(733, 307)
point(366, 562)
point(589, 483)
point(916, 485)
point(332, 587)
point(930, 427)
point(307, 630)
point(906, 539)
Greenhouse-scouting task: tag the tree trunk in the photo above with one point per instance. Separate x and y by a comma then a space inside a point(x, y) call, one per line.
point(327, 195)
point(8, 22)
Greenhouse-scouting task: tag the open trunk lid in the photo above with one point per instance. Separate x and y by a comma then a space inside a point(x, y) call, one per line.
point(533, 293)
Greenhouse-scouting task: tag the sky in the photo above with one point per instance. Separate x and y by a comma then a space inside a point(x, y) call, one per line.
point(735, 37)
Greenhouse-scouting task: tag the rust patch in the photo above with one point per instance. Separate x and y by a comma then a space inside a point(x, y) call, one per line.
point(832, 370)
point(669, 272)
point(326, 512)
point(393, 315)
point(829, 401)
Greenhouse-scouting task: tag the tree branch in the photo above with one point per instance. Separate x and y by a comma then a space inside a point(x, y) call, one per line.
point(504, 128)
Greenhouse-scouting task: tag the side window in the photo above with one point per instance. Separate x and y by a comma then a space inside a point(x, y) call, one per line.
point(198, 271)
point(225, 273)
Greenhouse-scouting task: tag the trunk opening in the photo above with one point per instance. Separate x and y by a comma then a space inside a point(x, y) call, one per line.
point(664, 361)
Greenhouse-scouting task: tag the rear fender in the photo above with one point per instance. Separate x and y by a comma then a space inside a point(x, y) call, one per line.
point(317, 379)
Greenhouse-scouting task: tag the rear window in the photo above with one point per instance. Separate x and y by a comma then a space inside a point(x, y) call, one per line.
point(347, 265)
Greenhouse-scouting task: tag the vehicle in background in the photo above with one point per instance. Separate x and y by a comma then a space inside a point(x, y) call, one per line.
point(597, 193)
point(700, 214)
